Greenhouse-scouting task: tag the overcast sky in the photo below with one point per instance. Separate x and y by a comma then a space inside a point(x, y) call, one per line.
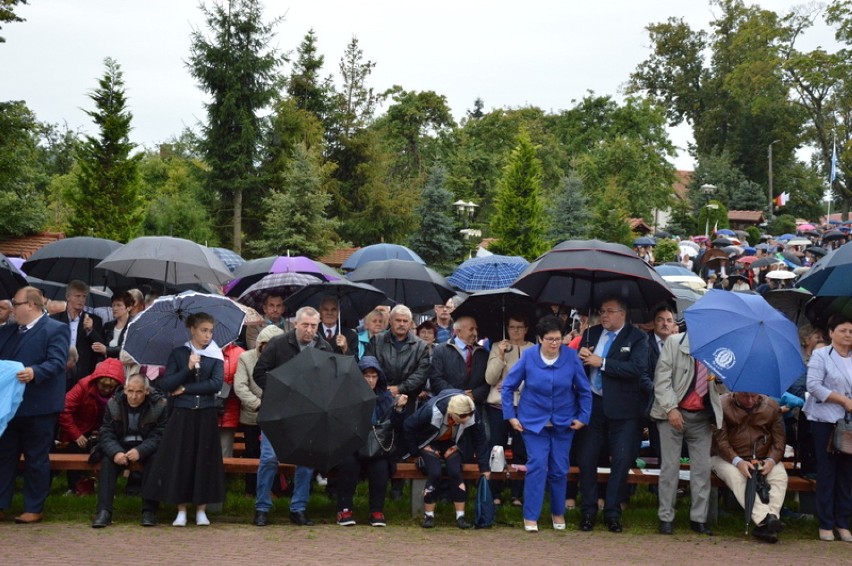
point(509, 53)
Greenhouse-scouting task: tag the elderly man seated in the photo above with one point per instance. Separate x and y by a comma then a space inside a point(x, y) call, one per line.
point(752, 441)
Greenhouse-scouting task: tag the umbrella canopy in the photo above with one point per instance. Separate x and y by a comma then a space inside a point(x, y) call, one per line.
point(662, 234)
point(254, 270)
point(820, 309)
point(161, 328)
point(831, 275)
point(803, 227)
point(491, 310)
point(789, 302)
point(379, 252)
point(691, 245)
point(748, 260)
point(283, 284)
point(791, 258)
point(765, 262)
point(817, 251)
point(672, 268)
point(168, 260)
point(721, 242)
point(11, 279)
point(785, 237)
point(745, 341)
point(644, 241)
point(489, 272)
point(726, 232)
point(231, 259)
point(833, 235)
point(798, 242)
point(354, 299)
point(685, 297)
point(582, 273)
point(406, 282)
point(76, 258)
point(316, 409)
point(55, 291)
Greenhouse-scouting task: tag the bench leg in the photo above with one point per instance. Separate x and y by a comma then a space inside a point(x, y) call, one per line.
point(713, 508)
point(417, 488)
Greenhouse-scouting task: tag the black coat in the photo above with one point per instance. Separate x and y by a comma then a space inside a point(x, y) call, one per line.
point(406, 367)
point(109, 327)
point(279, 351)
point(152, 423)
point(448, 371)
point(88, 357)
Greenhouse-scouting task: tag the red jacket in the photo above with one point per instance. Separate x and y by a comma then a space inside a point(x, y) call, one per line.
point(231, 418)
point(84, 412)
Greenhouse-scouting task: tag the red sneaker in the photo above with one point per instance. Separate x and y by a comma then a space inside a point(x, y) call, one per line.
point(344, 518)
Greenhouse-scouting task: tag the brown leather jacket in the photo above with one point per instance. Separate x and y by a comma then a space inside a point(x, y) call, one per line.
point(759, 432)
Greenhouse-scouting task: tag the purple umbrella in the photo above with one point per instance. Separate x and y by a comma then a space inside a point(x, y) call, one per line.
point(283, 284)
point(254, 270)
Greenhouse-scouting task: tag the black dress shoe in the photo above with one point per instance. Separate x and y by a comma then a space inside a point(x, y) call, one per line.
point(261, 519)
point(149, 519)
point(428, 522)
point(700, 528)
point(773, 524)
point(587, 523)
point(300, 518)
point(763, 533)
point(666, 528)
point(462, 523)
point(102, 519)
point(614, 525)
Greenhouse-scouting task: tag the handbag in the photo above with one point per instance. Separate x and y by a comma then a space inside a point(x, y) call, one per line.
point(497, 462)
point(221, 398)
point(381, 441)
point(841, 439)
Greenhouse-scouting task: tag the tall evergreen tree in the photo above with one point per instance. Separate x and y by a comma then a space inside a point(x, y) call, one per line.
point(436, 239)
point(569, 216)
point(610, 217)
point(518, 222)
point(20, 199)
point(304, 85)
point(108, 200)
point(7, 13)
point(238, 69)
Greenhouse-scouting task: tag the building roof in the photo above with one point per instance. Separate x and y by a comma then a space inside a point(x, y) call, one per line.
point(639, 225)
point(335, 258)
point(681, 184)
point(755, 216)
point(26, 246)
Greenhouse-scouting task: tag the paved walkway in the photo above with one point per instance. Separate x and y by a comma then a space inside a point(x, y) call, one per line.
point(52, 543)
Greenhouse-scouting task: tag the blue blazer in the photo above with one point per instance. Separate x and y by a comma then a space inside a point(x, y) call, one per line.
point(45, 349)
point(200, 388)
point(558, 393)
point(626, 382)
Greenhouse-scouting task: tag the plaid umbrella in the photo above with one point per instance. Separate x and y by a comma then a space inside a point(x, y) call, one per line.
point(254, 270)
point(490, 272)
point(231, 259)
point(284, 284)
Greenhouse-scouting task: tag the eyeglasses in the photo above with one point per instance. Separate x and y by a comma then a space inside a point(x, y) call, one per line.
point(552, 339)
point(14, 304)
point(610, 311)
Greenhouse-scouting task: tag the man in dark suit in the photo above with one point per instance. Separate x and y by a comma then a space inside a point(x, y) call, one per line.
point(86, 329)
point(616, 358)
point(41, 345)
point(343, 340)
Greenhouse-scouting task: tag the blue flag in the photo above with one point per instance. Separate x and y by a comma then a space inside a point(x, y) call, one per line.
point(833, 164)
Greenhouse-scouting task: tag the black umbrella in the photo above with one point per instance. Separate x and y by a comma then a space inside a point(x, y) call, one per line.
point(10, 279)
point(817, 251)
point(76, 258)
point(491, 310)
point(355, 299)
point(833, 235)
point(721, 242)
point(316, 409)
point(582, 273)
point(407, 282)
point(792, 258)
point(765, 262)
point(56, 291)
point(790, 302)
point(820, 309)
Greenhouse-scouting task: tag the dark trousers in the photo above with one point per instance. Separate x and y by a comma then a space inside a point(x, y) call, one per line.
point(834, 480)
point(622, 436)
point(251, 435)
point(434, 472)
point(106, 486)
point(32, 437)
point(348, 473)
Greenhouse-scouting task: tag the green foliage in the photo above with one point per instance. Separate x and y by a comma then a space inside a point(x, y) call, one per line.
point(353, 106)
point(782, 224)
point(306, 89)
point(753, 235)
point(20, 172)
point(238, 69)
point(7, 14)
point(681, 221)
point(518, 222)
point(107, 200)
point(610, 220)
point(569, 213)
point(436, 238)
point(713, 215)
point(296, 220)
point(666, 250)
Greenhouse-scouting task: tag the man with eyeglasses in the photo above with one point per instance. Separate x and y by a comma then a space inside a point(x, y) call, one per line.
point(616, 358)
point(278, 351)
point(41, 345)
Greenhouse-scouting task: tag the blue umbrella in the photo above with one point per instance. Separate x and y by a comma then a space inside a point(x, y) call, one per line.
point(726, 232)
point(673, 270)
point(232, 260)
point(644, 241)
point(785, 237)
point(489, 272)
point(379, 252)
point(11, 391)
point(744, 341)
point(831, 275)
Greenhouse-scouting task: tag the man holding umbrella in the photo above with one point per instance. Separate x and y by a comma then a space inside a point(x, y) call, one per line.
point(751, 441)
point(278, 351)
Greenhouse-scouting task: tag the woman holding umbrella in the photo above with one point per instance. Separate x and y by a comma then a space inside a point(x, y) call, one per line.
point(187, 468)
point(830, 388)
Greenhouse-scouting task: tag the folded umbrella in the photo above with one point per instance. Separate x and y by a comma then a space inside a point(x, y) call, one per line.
point(744, 341)
point(316, 409)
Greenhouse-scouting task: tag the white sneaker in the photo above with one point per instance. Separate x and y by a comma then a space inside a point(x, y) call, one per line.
point(180, 520)
point(201, 519)
point(321, 481)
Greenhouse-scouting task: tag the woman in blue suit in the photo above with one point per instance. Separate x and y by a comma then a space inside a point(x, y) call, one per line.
point(556, 401)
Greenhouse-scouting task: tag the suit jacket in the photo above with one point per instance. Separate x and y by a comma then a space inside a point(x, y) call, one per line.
point(88, 357)
point(653, 353)
point(351, 340)
point(109, 327)
point(626, 383)
point(45, 349)
point(448, 371)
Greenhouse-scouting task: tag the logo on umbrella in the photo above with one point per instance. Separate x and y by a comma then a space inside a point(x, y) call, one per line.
point(724, 358)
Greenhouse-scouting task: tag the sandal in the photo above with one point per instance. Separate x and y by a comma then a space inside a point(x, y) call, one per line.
point(516, 502)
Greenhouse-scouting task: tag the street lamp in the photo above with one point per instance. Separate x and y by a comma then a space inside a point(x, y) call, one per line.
point(466, 211)
point(709, 206)
point(769, 171)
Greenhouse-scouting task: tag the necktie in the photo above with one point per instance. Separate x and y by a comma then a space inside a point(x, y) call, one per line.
point(700, 379)
point(329, 334)
point(468, 360)
point(22, 329)
point(604, 352)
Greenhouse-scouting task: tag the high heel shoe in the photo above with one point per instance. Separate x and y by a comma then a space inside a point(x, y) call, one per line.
point(559, 526)
point(530, 527)
point(826, 534)
point(845, 535)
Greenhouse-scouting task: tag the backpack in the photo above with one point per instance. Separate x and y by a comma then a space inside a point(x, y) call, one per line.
point(486, 511)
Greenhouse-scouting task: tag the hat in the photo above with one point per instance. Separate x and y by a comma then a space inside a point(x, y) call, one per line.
point(268, 333)
point(780, 274)
point(460, 405)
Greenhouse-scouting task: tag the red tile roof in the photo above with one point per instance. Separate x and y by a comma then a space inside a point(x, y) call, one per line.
point(335, 258)
point(26, 246)
point(681, 184)
point(639, 225)
point(755, 216)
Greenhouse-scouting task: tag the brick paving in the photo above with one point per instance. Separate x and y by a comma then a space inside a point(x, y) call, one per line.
point(65, 543)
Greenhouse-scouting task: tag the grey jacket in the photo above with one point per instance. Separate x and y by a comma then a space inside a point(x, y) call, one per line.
point(826, 375)
point(406, 367)
point(673, 376)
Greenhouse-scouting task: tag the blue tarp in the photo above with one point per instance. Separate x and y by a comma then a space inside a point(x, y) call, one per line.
point(11, 391)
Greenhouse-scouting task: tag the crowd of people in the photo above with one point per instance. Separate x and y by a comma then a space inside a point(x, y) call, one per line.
point(562, 389)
